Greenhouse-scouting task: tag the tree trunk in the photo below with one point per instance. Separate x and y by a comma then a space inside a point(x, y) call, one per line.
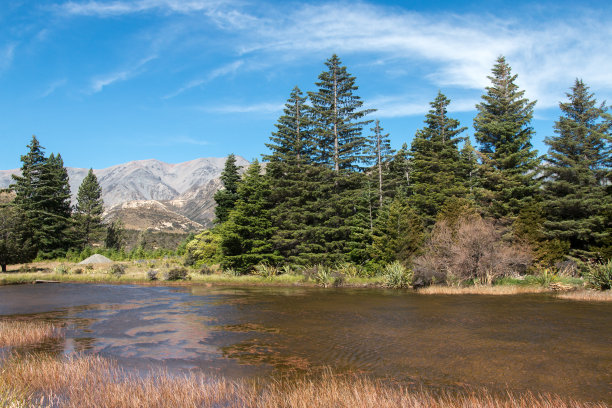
point(3, 267)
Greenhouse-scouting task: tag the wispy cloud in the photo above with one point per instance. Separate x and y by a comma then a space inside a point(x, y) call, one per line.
point(7, 53)
point(263, 108)
point(99, 83)
point(53, 86)
point(397, 106)
point(227, 69)
point(113, 8)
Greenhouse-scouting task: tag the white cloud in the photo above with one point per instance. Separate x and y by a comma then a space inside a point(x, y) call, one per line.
point(263, 108)
point(7, 53)
point(112, 8)
point(397, 106)
point(53, 86)
point(224, 70)
point(99, 83)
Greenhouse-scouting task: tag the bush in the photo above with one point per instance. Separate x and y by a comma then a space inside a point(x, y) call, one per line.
point(77, 271)
point(175, 274)
point(471, 250)
point(397, 276)
point(266, 271)
point(206, 270)
point(26, 269)
point(117, 270)
point(152, 275)
point(599, 276)
point(62, 270)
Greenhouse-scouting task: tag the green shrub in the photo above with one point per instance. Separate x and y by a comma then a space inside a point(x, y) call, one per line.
point(397, 276)
point(117, 270)
point(175, 274)
point(151, 275)
point(77, 271)
point(599, 276)
point(26, 269)
point(206, 270)
point(61, 270)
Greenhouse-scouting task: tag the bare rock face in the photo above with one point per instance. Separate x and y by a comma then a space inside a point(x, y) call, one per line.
point(150, 194)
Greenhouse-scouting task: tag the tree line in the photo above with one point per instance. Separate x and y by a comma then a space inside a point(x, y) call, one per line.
point(332, 190)
point(36, 216)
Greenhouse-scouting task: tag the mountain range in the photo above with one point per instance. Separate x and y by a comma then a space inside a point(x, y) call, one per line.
point(151, 194)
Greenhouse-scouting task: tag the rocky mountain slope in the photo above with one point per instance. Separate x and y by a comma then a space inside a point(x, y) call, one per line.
point(150, 194)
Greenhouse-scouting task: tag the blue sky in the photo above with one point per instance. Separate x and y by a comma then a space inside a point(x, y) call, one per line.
point(105, 82)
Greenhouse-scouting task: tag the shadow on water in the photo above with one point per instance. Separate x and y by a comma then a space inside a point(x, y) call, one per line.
point(521, 342)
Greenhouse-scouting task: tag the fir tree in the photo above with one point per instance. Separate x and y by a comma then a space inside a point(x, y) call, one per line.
point(245, 237)
point(399, 173)
point(88, 211)
point(292, 142)
point(226, 197)
point(436, 166)
point(504, 132)
point(15, 245)
point(380, 151)
point(115, 235)
point(577, 173)
point(397, 235)
point(43, 196)
point(338, 118)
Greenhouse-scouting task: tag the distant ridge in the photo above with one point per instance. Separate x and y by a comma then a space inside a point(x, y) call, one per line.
point(161, 196)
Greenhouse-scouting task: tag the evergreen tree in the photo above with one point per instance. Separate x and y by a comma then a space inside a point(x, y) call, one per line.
point(577, 173)
point(115, 235)
point(338, 118)
point(436, 166)
point(292, 142)
point(43, 196)
point(226, 197)
point(88, 211)
point(399, 173)
point(397, 235)
point(469, 165)
point(380, 151)
point(15, 246)
point(245, 237)
point(503, 131)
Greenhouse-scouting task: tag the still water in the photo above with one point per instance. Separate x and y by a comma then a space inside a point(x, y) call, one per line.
point(530, 342)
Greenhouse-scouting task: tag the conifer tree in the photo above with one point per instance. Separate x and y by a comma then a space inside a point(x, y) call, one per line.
point(226, 197)
point(88, 211)
point(397, 234)
point(436, 167)
point(115, 235)
point(43, 196)
point(504, 132)
point(399, 173)
point(380, 151)
point(577, 173)
point(15, 246)
point(338, 118)
point(245, 237)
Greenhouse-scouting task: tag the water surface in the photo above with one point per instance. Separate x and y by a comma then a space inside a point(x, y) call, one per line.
point(526, 342)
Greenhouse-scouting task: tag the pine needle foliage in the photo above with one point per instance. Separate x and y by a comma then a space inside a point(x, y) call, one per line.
point(503, 131)
point(576, 176)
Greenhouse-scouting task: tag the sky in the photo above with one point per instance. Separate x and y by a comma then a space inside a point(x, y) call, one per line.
point(106, 82)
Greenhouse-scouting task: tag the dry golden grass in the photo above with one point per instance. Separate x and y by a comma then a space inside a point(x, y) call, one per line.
point(587, 295)
point(482, 290)
point(21, 333)
point(93, 381)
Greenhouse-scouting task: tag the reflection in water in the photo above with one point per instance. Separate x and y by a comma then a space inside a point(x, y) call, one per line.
point(522, 342)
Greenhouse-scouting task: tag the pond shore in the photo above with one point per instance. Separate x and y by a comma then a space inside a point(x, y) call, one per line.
point(36, 380)
point(53, 271)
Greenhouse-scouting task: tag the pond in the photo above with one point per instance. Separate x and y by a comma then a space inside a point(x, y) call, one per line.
point(521, 342)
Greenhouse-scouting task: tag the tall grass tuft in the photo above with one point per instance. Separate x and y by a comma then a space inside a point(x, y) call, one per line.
point(22, 333)
point(397, 276)
point(599, 276)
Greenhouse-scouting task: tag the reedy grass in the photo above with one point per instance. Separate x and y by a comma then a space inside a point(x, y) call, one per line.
point(93, 381)
point(587, 296)
point(17, 333)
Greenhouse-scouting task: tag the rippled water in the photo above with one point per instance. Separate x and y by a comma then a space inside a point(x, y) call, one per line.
point(531, 342)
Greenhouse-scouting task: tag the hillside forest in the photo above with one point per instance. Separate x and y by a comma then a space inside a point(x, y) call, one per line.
point(332, 193)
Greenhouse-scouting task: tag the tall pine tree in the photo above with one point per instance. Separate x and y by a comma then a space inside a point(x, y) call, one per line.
point(504, 132)
point(380, 152)
point(338, 118)
point(437, 171)
point(88, 211)
point(227, 197)
point(577, 173)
